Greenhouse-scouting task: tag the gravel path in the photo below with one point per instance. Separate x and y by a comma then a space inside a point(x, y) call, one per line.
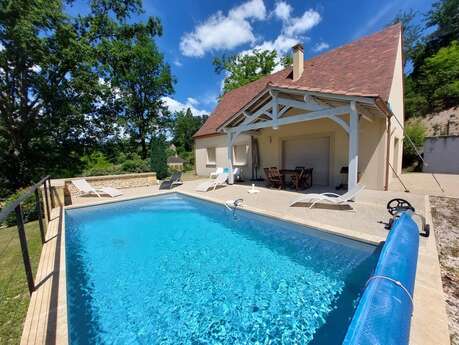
point(445, 214)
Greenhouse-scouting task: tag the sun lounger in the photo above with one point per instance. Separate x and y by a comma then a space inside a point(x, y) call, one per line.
point(220, 180)
point(329, 198)
point(175, 180)
point(216, 172)
point(86, 189)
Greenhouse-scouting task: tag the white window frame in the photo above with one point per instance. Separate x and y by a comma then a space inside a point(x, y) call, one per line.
point(211, 160)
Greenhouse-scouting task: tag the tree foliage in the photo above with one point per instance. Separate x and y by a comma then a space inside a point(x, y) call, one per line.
point(439, 78)
point(185, 125)
point(416, 131)
point(412, 33)
point(158, 156)
point(244, 68)
point(432, 84)
point(69, 83)
point(137, 73)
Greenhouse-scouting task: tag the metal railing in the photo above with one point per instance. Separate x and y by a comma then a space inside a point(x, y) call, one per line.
point(16, 206)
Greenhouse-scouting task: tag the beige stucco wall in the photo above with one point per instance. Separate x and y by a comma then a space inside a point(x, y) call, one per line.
point(371, 149)
point(397, 107)
point(220, 143)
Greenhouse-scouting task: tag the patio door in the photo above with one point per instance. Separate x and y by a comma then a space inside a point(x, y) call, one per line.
point(310, 152)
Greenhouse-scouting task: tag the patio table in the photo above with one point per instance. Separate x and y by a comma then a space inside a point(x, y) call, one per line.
point(307, 176)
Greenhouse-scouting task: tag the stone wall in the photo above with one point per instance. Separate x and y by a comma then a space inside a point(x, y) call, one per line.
point(117, 181)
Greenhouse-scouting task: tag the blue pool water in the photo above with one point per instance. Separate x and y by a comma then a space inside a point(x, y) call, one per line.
point(177, 270)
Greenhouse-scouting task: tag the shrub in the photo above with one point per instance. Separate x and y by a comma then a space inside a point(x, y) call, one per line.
point(28, 208)
point(416, 131)
point(135, 166)
point(97, 164)
point(158, 156)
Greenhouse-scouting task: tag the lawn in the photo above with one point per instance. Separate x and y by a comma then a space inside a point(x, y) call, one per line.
point(14, 294)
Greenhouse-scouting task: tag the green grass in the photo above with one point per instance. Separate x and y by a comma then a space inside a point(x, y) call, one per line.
point(14, 294)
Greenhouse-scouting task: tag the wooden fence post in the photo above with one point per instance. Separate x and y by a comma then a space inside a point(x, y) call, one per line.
point(40, 216)
point(25, 251)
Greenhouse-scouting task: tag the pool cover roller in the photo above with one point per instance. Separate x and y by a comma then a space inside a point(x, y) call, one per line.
point(383, 315)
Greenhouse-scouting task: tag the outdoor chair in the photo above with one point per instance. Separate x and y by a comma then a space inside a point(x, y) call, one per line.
point(330, 198)
point(175, 180)
point(297, 180)
point(276, 178)
point(220, 180)
point(84, 188)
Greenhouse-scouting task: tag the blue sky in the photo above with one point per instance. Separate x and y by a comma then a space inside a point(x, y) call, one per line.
point(197, 31)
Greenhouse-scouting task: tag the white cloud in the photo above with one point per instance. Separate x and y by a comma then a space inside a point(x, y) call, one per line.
point(299, 25)
point(293, 29)
point(282, 10)
point(281, 44)
point(320, 46)
point(178, 63)
point(251, 9)
point(224, 32)
point(191, 103)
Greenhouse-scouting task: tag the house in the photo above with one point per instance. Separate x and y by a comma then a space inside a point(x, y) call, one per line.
point(338, 109)
point(175, 163)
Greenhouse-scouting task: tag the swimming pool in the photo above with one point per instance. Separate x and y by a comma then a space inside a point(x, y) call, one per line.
point(174, 269)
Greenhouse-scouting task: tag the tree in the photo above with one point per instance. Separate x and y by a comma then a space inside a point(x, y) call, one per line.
point(416, 103)
point(412, 33)
point(184, 127)
point(444, 17)
point(58, 92)
point(440, 78)
point(158, 156)
point(46, 86)
point(138, 73)
point(243, 69)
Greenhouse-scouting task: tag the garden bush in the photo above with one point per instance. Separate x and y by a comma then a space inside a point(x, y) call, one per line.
point(28, 208)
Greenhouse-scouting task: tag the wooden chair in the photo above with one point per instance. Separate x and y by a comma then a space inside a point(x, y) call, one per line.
point(297, 180)
point(276, 177)
point(268, 178)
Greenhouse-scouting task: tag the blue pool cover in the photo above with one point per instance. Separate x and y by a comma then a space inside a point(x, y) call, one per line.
point(384, 312)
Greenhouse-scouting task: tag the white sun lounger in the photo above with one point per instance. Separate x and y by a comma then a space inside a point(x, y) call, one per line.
point(329, 198)
point(86, 189)
point(219, 181)
point(216, 172)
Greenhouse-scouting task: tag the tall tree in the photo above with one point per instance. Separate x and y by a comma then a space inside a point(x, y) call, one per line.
point(440, 78)
point(46, 85)
point(185, 125)
point(444, 17)
point(135, 70)
point(243, 69)
point(142, 78)
point(412, 33)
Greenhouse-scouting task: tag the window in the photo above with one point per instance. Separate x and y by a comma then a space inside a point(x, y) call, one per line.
point(211, 156)
point(240, 154)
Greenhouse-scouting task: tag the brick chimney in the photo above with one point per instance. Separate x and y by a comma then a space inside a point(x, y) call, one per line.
point(298, 61)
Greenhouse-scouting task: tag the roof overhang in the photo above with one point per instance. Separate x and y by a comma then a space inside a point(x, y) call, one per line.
point(319, 104)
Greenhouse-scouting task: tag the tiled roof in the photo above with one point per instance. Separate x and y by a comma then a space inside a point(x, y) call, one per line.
point(362, 68)
point(175, 160)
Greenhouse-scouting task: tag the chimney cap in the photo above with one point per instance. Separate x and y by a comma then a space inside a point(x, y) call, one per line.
point(298, 46)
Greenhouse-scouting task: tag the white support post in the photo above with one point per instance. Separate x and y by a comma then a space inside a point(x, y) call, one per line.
point(231, 137)
point(353, 146)
point(275, 111)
